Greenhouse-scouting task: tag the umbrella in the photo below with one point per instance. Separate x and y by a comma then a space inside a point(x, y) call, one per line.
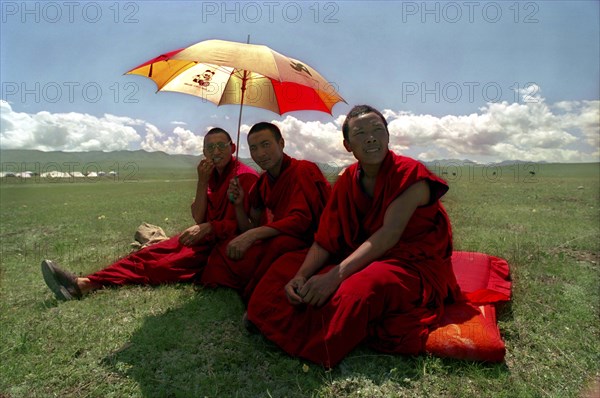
point(225, 72)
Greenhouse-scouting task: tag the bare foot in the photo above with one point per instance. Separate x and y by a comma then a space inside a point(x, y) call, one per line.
point(86, 286)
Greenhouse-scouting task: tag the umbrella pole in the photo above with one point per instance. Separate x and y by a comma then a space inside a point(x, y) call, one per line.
point(244, 78)
point(237, 143)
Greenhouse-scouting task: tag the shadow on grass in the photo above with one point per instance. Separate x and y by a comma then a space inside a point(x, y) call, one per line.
point(202, 349)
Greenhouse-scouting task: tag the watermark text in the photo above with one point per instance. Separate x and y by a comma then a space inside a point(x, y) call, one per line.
point(68, 12)
point(270, 11)
point(469, 11)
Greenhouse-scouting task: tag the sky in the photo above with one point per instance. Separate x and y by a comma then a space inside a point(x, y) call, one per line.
point(486, 81)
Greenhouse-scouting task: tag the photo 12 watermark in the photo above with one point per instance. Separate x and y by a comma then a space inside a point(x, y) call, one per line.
point(470, 11)
point(270, 12)
point(71, 92)
point(517, 172)
point(69, 12)
point(470, 91)
point(72, 251)
point(70, 172)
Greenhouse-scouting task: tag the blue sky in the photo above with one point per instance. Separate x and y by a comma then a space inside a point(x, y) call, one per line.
point(486, 81)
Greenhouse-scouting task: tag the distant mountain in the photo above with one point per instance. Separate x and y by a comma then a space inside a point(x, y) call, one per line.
point(511, 162)
point(450, 162)
point(138, 164)
point(104, 158)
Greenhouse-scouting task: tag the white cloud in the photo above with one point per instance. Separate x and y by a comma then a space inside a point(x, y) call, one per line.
point(531, 130)
point(316, 141)
point(82, 132)
point(65, 131)
point(182, 141)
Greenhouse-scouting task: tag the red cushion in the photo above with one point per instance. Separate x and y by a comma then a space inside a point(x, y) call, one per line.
point(467, 332)
point(482, 278)
point(468, 329)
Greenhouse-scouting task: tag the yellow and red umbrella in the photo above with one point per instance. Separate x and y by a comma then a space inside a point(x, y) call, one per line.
point(225, 72)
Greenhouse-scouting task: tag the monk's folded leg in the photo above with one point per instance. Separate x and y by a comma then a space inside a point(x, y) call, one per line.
point(357, 310)
point(360, 306)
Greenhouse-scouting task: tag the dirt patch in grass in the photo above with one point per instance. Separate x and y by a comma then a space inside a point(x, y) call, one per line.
point(593, 388)
point(589, 256)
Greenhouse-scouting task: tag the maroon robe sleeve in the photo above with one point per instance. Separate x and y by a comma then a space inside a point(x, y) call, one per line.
point(305, 193)
point(255, 193)
point(332, 231)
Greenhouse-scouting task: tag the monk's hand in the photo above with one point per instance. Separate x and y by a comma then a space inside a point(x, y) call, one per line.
point(292, 288)
point(235, 193)
point(194, 234)
point(319, 288)
point(204, 169)
point(238, 245)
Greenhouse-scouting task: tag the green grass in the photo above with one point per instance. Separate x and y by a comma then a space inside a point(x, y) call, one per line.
point(183, 341)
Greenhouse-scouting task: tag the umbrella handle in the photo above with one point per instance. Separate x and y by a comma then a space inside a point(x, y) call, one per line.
point(231, 195)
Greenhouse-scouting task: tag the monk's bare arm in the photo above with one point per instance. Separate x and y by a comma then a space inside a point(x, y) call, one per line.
point(395, 220)
point(245, 221)
point(238, 246)
point(204, 169)
point(315, 260)
point(317, 290)
point(200, 203)
point(236, 194)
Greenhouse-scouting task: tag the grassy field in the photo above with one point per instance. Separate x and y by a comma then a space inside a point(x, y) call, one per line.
point(181, 341)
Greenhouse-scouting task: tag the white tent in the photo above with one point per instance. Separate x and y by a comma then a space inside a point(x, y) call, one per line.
point(92, 174)
point(77, 174)
point(55, 174)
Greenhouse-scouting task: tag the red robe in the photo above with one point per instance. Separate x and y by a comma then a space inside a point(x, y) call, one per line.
point(392, 301)
point(295, 201)
point(169, 261)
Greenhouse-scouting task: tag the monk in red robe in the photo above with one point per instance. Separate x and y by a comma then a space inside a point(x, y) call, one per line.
point(182, 257)
point(379, 270)
point(285, 206)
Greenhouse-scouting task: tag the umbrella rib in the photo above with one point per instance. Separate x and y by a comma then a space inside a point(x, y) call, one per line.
point(177, 73)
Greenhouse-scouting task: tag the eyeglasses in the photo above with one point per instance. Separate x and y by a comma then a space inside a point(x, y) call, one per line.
point(220, 145)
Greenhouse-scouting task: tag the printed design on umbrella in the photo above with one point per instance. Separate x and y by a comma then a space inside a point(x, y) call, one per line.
point(300, 67)
point(203, 80)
